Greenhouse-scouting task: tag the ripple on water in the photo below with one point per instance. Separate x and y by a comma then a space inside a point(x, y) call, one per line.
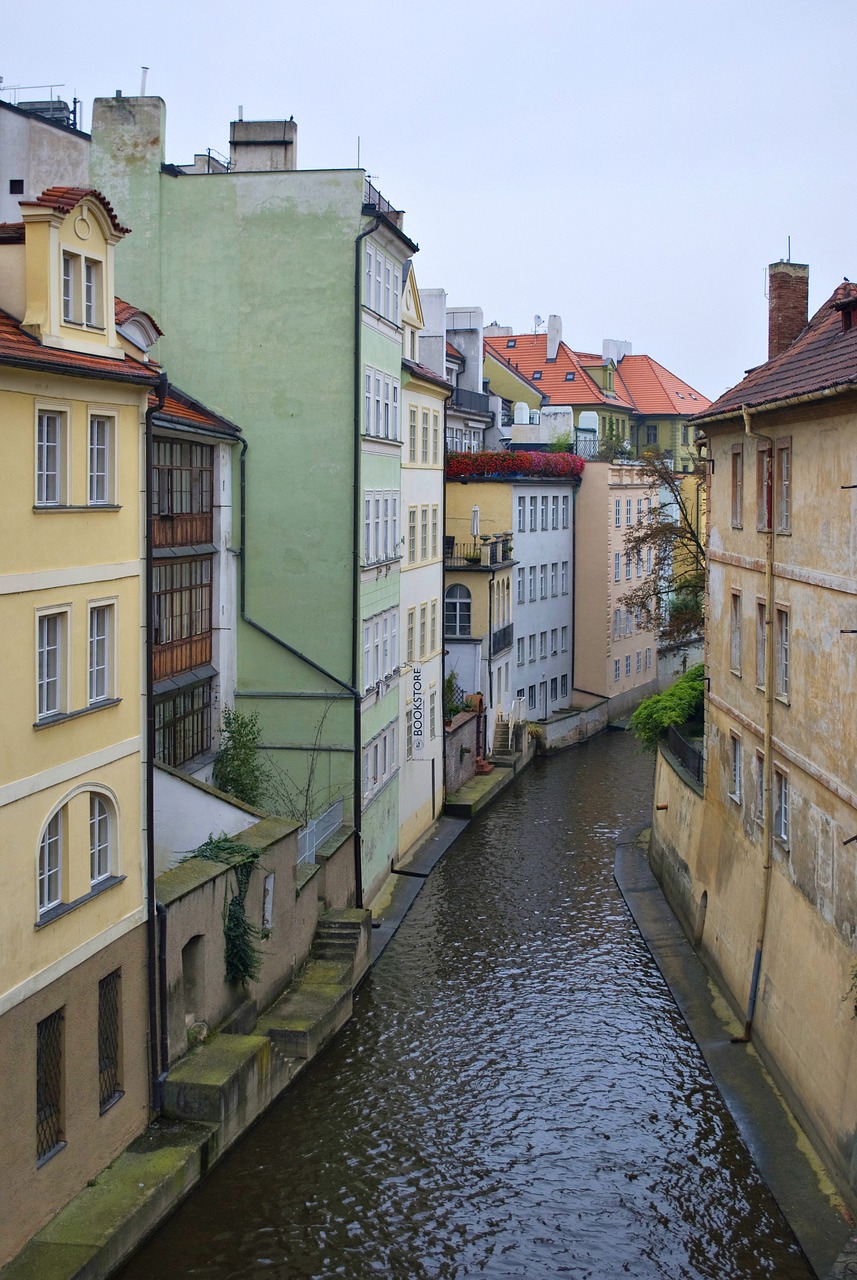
point(516, 1096)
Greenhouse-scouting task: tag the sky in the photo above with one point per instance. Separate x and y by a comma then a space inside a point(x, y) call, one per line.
point(629, 165)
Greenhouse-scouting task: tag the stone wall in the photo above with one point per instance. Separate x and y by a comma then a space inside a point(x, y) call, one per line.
point(460, 751)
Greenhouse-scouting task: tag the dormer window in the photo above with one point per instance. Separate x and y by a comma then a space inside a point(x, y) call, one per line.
point(82, 291)
point(70, 287)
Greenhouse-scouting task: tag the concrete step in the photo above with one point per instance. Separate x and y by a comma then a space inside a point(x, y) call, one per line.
point(308, 1016)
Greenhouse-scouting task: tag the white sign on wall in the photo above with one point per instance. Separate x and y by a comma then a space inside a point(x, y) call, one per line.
point(417, 714)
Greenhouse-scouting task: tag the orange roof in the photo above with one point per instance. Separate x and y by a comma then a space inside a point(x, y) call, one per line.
point(563, 380)
point(180, 407)
point(17, 347)
point(641, 385)
point(654, 390)
point(64, 199)
point(125, 311)
point(12, 232)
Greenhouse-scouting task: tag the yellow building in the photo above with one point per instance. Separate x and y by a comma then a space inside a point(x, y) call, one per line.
point(73, 984)
point(761, 866)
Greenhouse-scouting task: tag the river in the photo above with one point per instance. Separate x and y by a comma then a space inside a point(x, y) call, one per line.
point(516, 1095)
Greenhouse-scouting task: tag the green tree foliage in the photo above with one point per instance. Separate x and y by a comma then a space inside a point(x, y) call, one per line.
point(239, 767)
point(683, 701)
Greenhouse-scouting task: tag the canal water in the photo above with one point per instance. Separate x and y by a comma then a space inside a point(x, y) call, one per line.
point(516, 1096)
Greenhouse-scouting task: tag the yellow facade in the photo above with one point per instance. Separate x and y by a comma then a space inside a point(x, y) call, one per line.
point(72, 779)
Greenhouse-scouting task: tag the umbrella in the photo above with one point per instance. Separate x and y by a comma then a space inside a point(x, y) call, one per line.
point(474, 522)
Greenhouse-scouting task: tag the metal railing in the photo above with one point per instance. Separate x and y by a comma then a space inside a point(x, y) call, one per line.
point(502, 638)
point(463, 555)
point(371, 195)
point(470, 401)
point(689, 756)
point(316, 832)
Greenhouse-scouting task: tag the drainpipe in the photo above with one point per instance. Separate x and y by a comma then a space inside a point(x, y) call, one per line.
point(355, 581)
point(490, 639)
point(767, 827)
point(443, 599)
point(157, 999)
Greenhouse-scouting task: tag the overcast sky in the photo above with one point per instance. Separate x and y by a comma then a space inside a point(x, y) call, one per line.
point(630, 165)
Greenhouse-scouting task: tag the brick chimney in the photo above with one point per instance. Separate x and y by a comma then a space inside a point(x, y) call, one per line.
point(788, 298)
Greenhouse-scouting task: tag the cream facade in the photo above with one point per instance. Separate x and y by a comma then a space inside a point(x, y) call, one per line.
point(73, 1002)
point(615, 650)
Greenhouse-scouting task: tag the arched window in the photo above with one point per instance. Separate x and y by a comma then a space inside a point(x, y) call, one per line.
point(456, 620)
point(50, 864)
point(100, 838)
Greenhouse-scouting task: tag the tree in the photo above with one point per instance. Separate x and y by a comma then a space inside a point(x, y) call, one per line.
point(673, 594)
point(683, 701)
point(239, 767)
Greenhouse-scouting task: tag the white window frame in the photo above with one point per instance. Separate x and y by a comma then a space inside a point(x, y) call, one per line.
point(101, 640)
point(736, 753)
point(782, 644)
point(735, 633)
point(565, 505)
point(52, 662)
point(101, 453)
point(51, 456)
point(50, 868)
point(782, 805)
point(101, 838)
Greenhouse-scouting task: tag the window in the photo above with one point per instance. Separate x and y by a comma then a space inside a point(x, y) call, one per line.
point(381, 526)
point(639, 564)
point(554, 641)
point(70, 286)
point(735, 633)
point(380, 758)
point(435, 438)
point(781, 806)
point(534, 508)
point(565, 511)
point(617, 566)
point(759, 777)
point(522, 514)
point(109, 1028)
point(544, 511)
point(411, 628)
point(433, 626)
point(761, 642)
point(618, 515)
point(781, 638)
point(49, 1085)
point(93, 294)
point(520, 651)
point(51, 863)
point(434, 533)
point(553, 688)
point(531, 697)
point(616, 669)
point(424, 452)
point(532, 581)
point(649, 510)
point(100, 652)
point(382, 284)
point(648, 659)
point(101, 430)
point(457, 611)
point(183, 725)
point(764, 487)
point(522, 586)
point(531, 645)
point(735, 767)
point(554, 569)
point(627, 664)
point(639, 661)
point(424, 527)
point(543, 644)
point(563, 686)
point(182, 475)
point(555, 512)
point(563, 578)
point(51, 467)
point(381, 646)
point(737, 486)
point(639, 511)
point(628, 566)
point(563, 639)
point(381, 400)
point(629, 512)
point(618, 628)
point(412, 536)
point(784, 477)
point(648, 559)
point(543, 582)
point(433, 714)
point(412, 432)
point(182, 611)
point(423, 629)
point(51, 676)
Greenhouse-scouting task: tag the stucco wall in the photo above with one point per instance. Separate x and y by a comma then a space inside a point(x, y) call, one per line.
point(460, 751)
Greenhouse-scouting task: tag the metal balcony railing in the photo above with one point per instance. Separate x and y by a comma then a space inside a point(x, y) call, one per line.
point(476, 554)
point(687, 754)
point(469, 401)
point(502, 639)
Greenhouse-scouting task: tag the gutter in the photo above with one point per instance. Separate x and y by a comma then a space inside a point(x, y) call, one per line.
point(158, 1058)
point(809, 397)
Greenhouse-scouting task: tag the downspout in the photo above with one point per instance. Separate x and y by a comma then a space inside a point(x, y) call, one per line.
point(355, 582)
point(443, 601)
point(157, 999)
point(767, 828)
point(490, 640)
point(574, 489)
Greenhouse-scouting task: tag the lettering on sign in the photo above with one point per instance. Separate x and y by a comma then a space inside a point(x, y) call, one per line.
point(418, 733)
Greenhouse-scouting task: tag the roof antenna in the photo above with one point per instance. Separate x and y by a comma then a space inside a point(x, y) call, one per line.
point(789, 258)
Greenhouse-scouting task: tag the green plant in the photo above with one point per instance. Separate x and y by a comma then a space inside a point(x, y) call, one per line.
point(242, 956)
point(682, 701)
point(239, 768)
point(537, 733)
point(453, 699)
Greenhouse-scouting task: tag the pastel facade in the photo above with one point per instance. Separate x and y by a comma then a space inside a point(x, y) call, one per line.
point(615, 651)
point(73, 996)
point(306, 327)
point(760, 867)
point(424, 396)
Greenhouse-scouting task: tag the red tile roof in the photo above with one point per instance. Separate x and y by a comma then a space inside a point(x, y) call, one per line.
point(821, 358)
point(12, 233)
point(125, 311)
point(640, 383)
point(180, 407)
point(19, 348)
point(64, 199)
point(453, 351)
point(424, 372)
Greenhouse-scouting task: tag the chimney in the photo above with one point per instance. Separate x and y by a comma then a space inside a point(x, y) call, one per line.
point(262, 146)
point(554, 336)
point(788, 298)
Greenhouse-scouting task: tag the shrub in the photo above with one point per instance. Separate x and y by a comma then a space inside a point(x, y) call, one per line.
point(683, 701)
point(238, 766)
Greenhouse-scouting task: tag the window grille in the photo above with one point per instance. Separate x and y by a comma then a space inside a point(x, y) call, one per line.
point(49, 1047)
point(108, 1040)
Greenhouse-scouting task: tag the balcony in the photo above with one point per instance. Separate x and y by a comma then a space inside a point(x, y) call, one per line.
point(175, 656)
point(502, 639)
point(186, 530)
point(487, 552)
point(469, 401)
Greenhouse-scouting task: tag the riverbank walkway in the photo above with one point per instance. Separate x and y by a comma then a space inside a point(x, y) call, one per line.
point(781, 1151)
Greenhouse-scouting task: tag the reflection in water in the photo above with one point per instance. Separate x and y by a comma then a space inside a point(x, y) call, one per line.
point(517, 1095)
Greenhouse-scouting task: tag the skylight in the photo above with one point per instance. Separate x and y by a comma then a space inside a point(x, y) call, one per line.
point(536, 374)
point(569, 377)
point(511, 342)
